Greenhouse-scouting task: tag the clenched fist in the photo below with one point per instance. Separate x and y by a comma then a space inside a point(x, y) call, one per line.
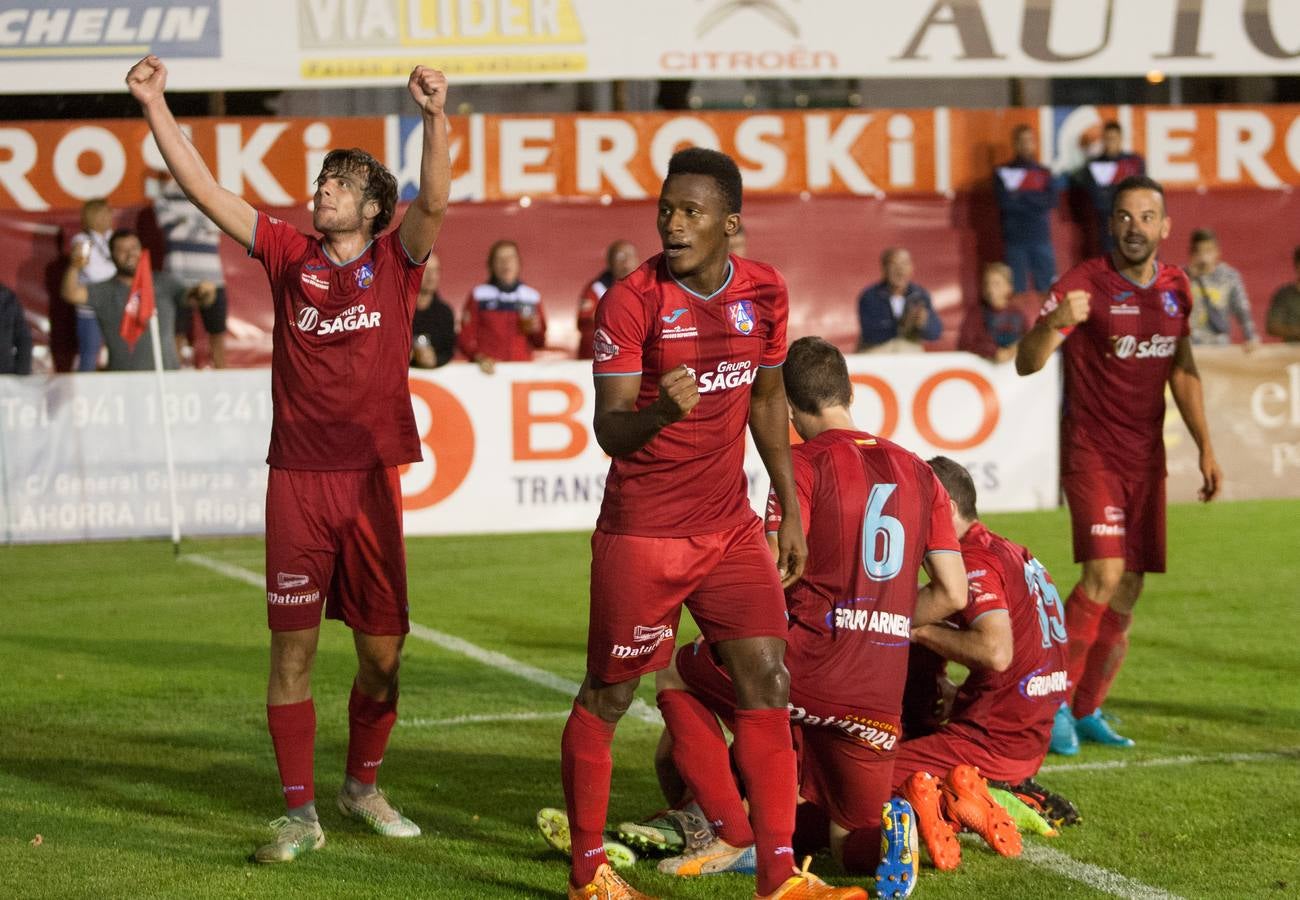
point(678, 393)
point(428, 89)
point(147, 79)
point(1072, 309)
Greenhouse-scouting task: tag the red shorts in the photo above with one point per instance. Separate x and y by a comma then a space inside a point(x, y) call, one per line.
point(1116, 516)
point(638, 585)
point(846, 756)
point(334, 540)
point(953, 745)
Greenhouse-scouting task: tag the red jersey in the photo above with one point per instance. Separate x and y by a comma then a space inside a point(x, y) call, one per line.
point(490, 322)
point(587, 304)
point(1116, 364)
point(1012, 711)
point(690, 477)
point(871, 511)
point(342, 345)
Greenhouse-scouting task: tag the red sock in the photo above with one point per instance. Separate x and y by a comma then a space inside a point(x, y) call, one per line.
point(1104, 660)
point(862, 850)
point(369, 723)
point(766, 761)
point(1082, 616)
point(585, 767)
point(700, 752)
point(293, 733)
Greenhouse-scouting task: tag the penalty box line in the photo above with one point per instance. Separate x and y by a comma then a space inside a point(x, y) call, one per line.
point(1184, 760)
point(639, 709)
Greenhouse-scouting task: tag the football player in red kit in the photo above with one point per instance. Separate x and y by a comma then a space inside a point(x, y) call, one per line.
point(687, 354)
point(1012, 639)
point(1122, 320)
point(342, 425)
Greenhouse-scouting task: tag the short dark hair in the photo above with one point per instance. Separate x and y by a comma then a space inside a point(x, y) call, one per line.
point(957, 482)
point(1112, 125)
point(816, 376)
point(1138, 183)
point(120, 234)
point(380, 186)
point(718, 166)
point(1202, 235)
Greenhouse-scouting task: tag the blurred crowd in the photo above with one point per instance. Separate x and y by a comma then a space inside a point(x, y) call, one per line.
point(503, 318)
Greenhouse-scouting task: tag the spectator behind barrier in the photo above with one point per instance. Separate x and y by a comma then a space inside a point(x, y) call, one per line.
point(1027, 193)
point(108, 300)
point(1284, 308)
point(193, 257)
point(503, 319)
point(433, 329)
point(993, 327)
point(15, 336)
point(90, 246)
point(1217, 294)
point(621, 259)
point(1099, 175)
point(895, 314)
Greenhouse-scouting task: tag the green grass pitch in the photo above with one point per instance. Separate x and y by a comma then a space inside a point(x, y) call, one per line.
point(133, 736)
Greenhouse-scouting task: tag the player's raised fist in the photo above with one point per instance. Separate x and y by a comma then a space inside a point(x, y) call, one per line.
point(428, 89)
point(147, 79)
point(678, 393)
point(1072, 309)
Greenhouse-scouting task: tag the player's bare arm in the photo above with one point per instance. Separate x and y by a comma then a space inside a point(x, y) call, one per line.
point(946, 592)
point(424, 217)
point(147, 82)
point(622, 429)
point(986, 644)
point(71, 289)
point(1041, 341)
point(769, 425)
point(1185, 385)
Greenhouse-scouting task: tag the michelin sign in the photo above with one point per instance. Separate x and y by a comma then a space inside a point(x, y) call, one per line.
point(82, 29)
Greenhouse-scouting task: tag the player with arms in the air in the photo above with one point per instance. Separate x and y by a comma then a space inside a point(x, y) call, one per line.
point(342, 425)
point(688, 352)
point(1011, 637)
point(1122, 319)
point(873, 515)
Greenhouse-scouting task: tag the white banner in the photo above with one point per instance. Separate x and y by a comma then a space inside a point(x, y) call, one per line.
point(81, 456)
point(60, 46)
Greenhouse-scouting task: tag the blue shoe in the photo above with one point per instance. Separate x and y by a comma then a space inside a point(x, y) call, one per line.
point(1065, 738)
point(1096, 729)
point(896, 874)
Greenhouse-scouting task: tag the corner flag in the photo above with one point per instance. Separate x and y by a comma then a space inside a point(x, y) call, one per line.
point(139, 303)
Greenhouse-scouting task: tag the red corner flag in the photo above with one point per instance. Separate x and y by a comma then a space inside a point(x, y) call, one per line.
point(139, 303)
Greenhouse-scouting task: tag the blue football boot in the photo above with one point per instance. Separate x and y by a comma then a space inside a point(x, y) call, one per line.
point(896, 874)
point(1065, 739)
point(1095, 728)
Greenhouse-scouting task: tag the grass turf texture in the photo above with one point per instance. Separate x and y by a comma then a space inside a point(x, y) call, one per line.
point(134, 736)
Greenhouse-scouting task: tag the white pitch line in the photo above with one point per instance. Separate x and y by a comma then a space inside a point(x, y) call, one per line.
point(476, 718)
point(1104, 880)
point(1186, 760)
point(639, 709)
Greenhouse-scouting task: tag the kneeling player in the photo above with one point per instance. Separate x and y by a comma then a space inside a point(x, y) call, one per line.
point(874, 514)
point(1013, 640)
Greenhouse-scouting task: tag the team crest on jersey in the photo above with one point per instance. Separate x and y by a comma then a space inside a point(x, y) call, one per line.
point(1170, 303)
point(365, 276)
point(741, 315)
point(308, 318)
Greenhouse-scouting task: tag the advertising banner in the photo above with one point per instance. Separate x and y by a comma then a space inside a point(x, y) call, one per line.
point(80, 45)
point(273, 162)
point(1252, 402)
point(82, 455)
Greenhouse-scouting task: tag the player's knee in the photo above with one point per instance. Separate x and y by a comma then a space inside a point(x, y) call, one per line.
point(608, 701)
point(766, 684)
point(669, 679)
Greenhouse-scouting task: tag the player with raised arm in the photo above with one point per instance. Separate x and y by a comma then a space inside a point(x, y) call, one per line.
point(873, 515)
point(688, 352)
point(1123, 322)
point(342, 424)
point(1010, 634)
